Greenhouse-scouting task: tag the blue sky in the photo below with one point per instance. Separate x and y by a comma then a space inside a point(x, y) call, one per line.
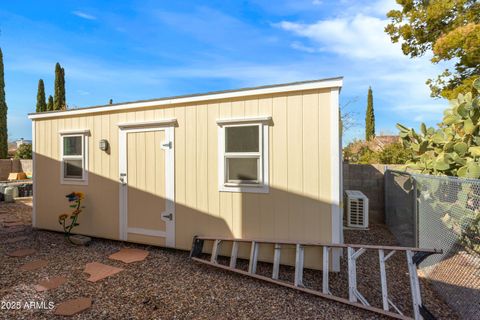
point(131, 50)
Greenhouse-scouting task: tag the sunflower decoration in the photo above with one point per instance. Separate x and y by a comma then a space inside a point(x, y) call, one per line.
point(75, 199)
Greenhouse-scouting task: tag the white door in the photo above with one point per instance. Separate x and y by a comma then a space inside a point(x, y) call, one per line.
point(147, 207)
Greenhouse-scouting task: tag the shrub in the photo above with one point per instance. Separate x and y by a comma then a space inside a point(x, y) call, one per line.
point(24, 152)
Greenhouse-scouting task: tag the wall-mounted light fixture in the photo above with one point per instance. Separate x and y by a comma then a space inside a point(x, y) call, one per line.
point(104, 145)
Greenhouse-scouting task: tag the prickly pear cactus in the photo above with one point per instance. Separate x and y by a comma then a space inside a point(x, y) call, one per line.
point(453, 148)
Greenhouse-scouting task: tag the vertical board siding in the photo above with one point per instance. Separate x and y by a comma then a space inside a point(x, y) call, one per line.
point(180, 149)
point(311, 183)
point(212, 158)
point(266, 203)
point(325, 193)
point(296, 208)
point(202, 158)
point(191, 157)
point(295, 167)
point(280, 166)
point(105, 121)
point(226, 206)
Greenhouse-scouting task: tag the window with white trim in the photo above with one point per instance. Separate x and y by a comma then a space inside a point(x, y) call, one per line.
point(73, 158)
point(243, 163)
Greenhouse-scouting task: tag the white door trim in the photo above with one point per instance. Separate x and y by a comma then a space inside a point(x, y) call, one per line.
point(169, 146)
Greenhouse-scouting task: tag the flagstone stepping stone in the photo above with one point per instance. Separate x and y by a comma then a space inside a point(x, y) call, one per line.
point(21, 252)
point(73, 306)
point(129, 255)
point(48, 284)
point(14, 229)
point(34, 265)
point(12, 224)
point(16, 239)
point(99, 271)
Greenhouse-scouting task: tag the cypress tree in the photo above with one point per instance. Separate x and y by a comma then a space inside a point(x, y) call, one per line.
point(3, 113)
point(50, 103)
point(41, 102)
point(370, 117)
point(59, 102)
point(56, 92)
point(63, 105)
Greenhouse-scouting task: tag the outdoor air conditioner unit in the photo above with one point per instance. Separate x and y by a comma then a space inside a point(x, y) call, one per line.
point(357, 209)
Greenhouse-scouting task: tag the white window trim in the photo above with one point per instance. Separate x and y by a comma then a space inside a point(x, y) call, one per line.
point(84, 135)
point(263, 155)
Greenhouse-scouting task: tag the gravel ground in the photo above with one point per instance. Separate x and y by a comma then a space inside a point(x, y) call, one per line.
point(168, 285)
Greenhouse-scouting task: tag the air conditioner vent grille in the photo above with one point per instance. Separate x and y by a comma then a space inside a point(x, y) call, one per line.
point(357, 209)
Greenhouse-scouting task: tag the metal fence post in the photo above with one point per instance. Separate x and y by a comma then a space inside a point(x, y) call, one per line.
point(385, 195)
point(415, 211)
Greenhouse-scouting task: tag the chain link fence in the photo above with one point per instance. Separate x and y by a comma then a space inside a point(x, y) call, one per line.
point(444, 213)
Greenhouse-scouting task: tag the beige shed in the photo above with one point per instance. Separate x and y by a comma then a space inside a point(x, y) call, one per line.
point(259, 162)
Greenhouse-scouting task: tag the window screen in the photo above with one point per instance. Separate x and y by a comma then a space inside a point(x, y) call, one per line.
point(242, 169)
point(242, 139)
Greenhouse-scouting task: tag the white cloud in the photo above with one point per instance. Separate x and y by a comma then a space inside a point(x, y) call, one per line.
point(423, 108)
point(383, 6)
point(84, 15)
point(301, 47)
point(354, 44)
point(360, 36)
point(380, 7)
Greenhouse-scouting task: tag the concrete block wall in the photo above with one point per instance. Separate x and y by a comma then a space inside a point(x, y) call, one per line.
point(368, 178)
point(14, 165)
point(26, 165)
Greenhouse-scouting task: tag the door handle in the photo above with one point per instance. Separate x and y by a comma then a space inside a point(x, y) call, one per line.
point(168, 216)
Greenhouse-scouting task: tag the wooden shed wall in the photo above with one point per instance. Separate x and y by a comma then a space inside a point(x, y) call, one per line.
point(298, 206)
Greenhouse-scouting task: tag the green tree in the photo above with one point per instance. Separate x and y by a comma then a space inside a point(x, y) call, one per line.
point(59, 101)
point(451, 29)
point(3, 113)
point(50, 103)
point(62, 90)
point(24, 152)
point(367, 156)
point(370, 117)
point(41, 102)
point(394, 153)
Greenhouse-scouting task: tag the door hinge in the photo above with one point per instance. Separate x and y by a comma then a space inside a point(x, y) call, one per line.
point(167, 145)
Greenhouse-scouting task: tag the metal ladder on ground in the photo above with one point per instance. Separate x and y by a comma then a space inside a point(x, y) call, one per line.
point(414, 257)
